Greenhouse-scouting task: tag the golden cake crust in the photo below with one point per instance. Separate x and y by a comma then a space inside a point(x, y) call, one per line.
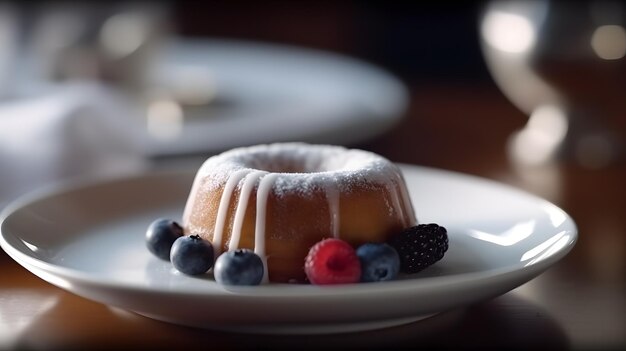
point(307, 193)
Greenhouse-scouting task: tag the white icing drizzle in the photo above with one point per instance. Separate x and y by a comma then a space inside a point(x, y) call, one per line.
point(406, 200)
point(244, 195)
point(262, 195)
point(395, 200)
point(409, 207)
point(332, 194)
point(220, 220)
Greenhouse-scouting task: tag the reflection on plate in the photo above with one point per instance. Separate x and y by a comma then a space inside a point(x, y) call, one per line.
point(89, 239)
point(235, 93)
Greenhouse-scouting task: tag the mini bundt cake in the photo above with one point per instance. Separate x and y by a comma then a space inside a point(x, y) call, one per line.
point(281, 199)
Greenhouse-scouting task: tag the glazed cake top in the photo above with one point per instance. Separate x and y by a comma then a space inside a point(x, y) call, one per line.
point(302, 166)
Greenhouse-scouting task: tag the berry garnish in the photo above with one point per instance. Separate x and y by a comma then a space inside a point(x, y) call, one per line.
point(238, 267)
point(420, 246)
point(160, 236)
point(379, 262)
point(192, 255)
point(332, 261)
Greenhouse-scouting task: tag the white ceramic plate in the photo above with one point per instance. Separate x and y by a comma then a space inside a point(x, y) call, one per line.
point(89, 239)
point(272, 93)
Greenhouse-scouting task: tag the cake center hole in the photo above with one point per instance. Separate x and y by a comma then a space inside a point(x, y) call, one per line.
point(290, 165)
point(301, 162)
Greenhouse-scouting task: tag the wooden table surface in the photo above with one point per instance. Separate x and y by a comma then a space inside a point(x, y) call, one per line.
point(579, 303)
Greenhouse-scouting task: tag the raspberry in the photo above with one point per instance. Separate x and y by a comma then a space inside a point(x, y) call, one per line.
point(420, 246)
point(332, 261)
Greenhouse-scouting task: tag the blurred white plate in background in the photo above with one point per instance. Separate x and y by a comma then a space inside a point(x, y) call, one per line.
point(262, 93)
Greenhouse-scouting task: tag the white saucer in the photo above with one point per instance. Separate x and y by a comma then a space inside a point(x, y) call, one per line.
point(89, 239)
point(269, 92)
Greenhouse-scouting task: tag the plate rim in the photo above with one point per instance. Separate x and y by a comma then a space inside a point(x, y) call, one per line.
point(421, 284)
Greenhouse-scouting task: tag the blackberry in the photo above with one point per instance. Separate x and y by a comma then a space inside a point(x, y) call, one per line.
point(420, 246)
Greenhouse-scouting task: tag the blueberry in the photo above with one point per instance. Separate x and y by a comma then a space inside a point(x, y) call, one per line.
point(192, 255)
point(160, 236)
point(238, 267)
point(379, 262)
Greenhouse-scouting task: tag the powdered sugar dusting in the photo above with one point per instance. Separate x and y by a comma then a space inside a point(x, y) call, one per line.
point(303, 168)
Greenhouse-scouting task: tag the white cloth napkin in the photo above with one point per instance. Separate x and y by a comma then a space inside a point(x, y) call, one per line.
point(76, 130)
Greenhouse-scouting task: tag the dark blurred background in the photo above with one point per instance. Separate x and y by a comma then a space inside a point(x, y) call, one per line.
point(431, 46)
point(526, 93)
point(420, 42)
